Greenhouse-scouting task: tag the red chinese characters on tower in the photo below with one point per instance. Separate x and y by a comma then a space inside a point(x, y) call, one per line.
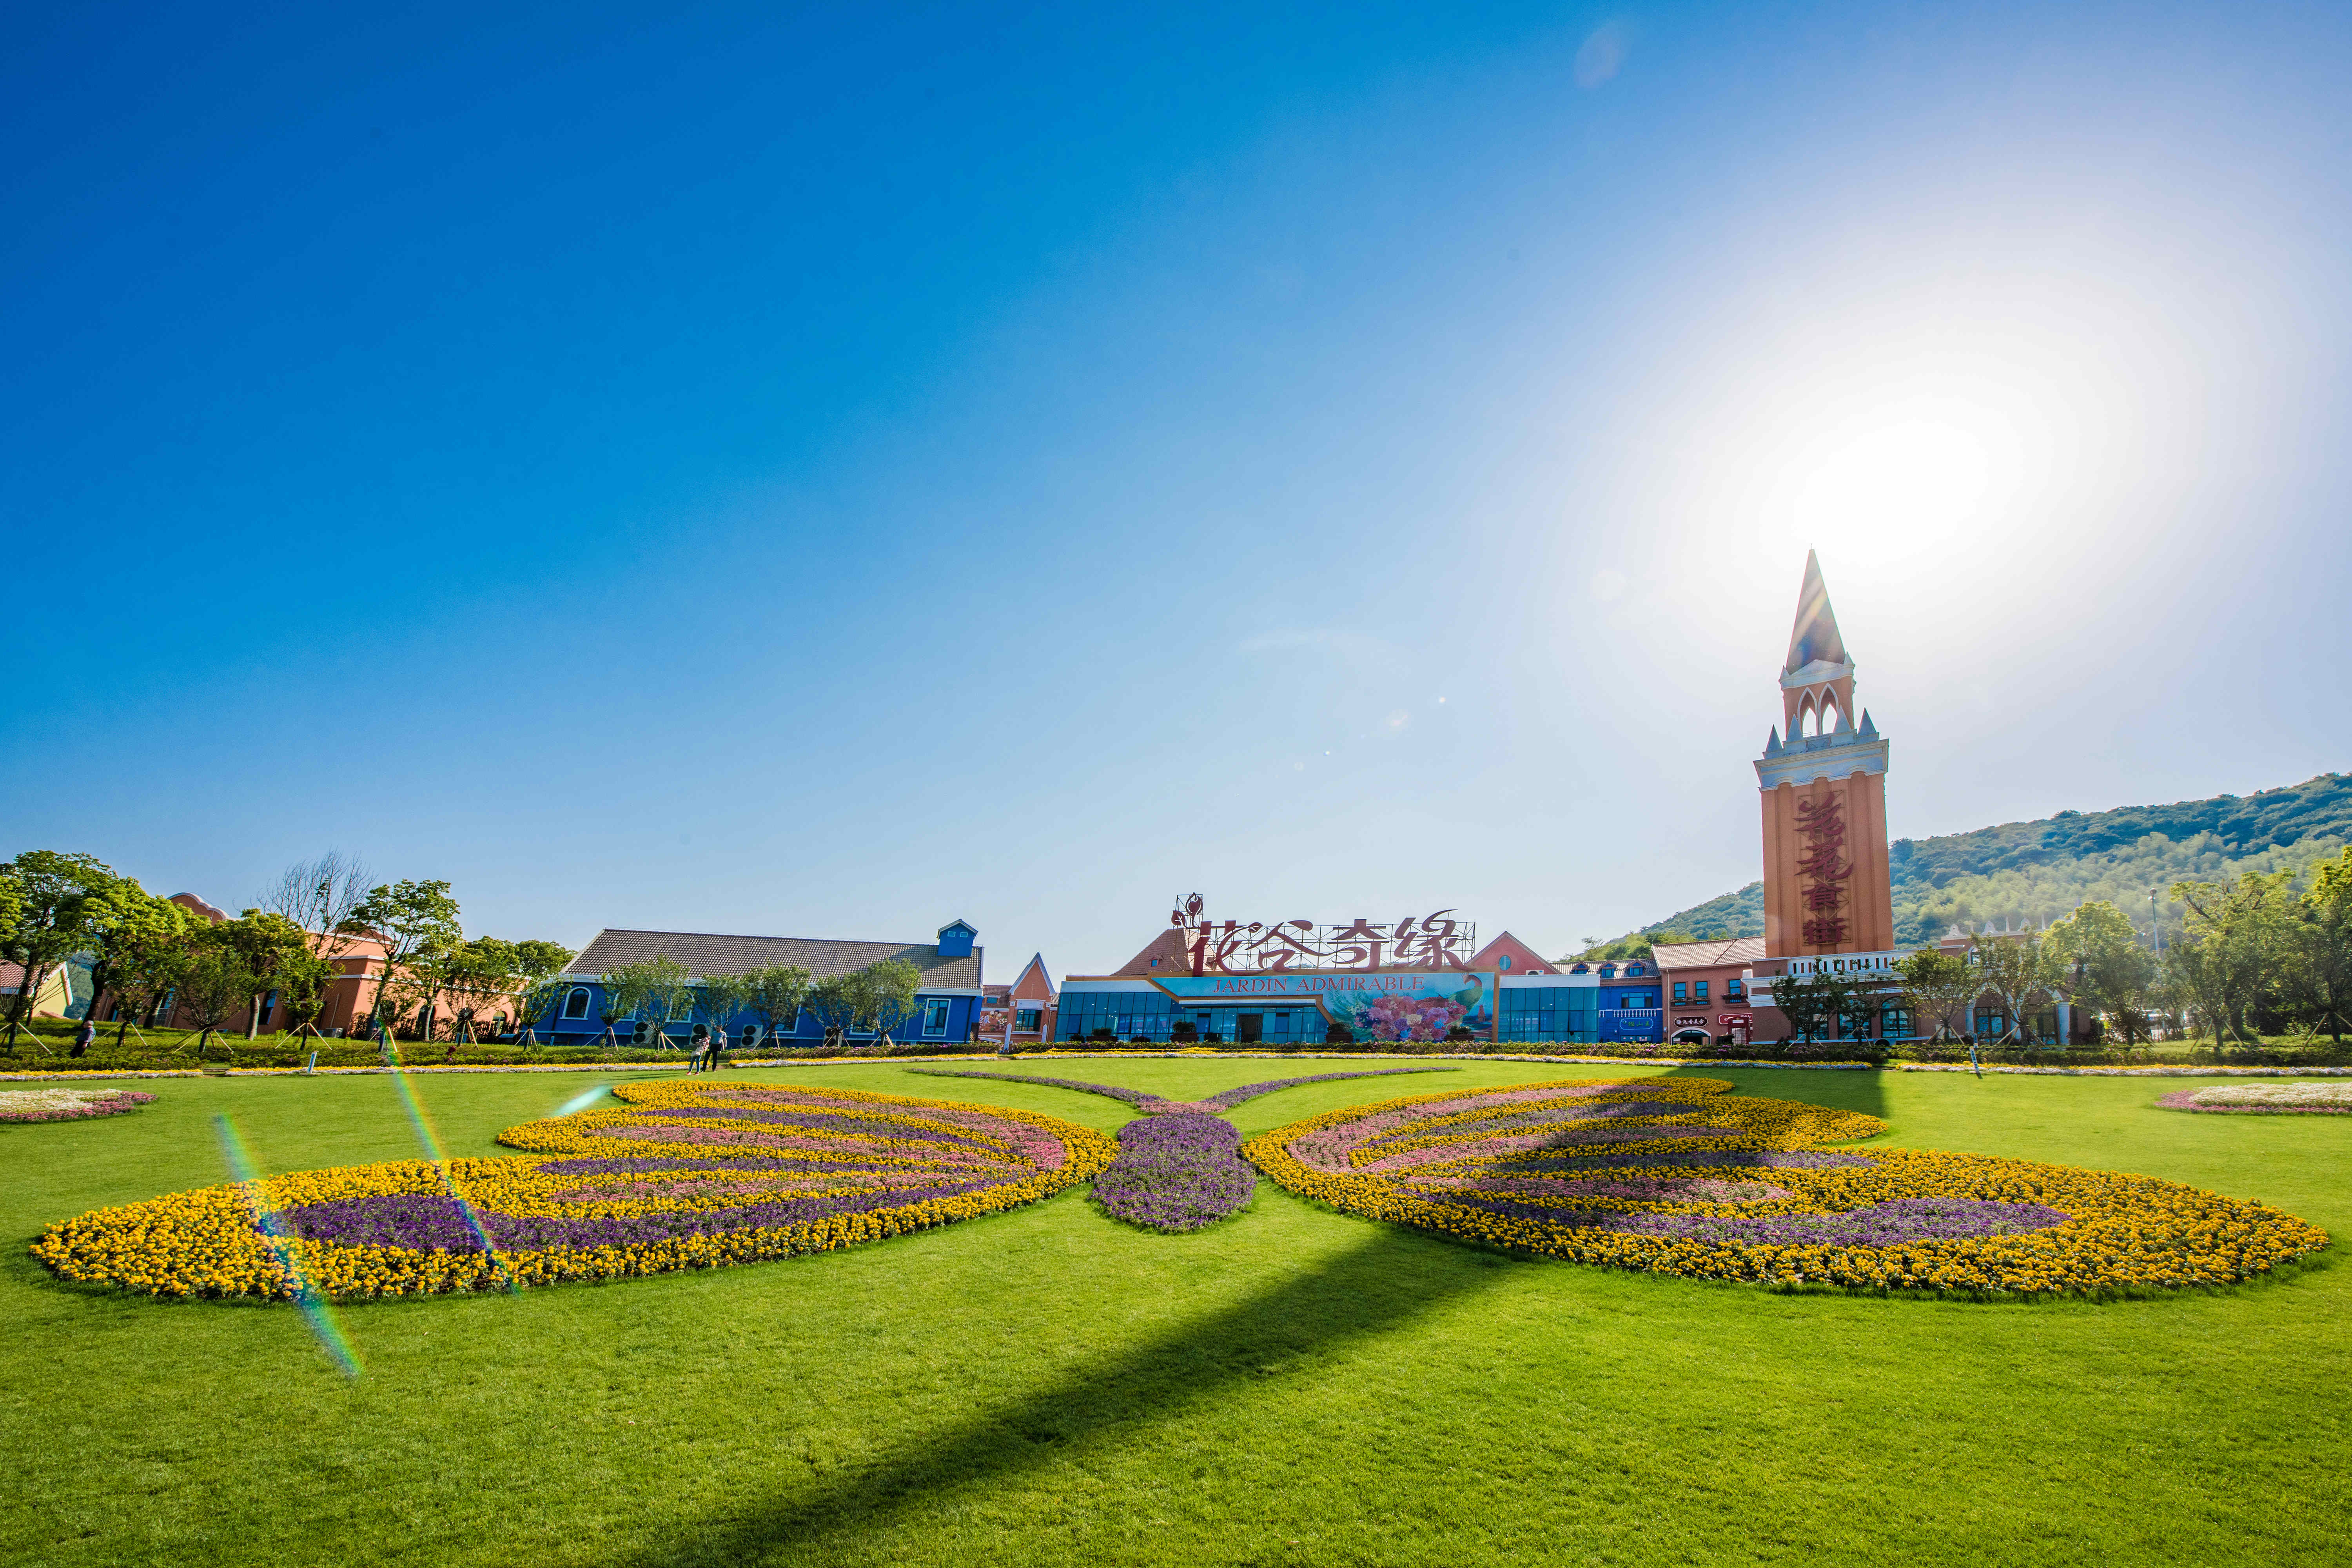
point(1821, 824)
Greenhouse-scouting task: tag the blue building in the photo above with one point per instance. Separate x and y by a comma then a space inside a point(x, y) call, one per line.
point(947, 1003)
point(1585, 1005)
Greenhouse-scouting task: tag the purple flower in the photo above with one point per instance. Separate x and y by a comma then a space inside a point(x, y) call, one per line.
point(1178, 1172)
point(1889, 1223)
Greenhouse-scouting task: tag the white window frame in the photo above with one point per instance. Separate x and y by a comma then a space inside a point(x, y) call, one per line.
point(577, 993)
point(944, 1010)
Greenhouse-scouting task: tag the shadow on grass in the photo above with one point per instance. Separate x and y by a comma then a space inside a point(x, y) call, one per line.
point(1848, 1090)
point(1391, 1277)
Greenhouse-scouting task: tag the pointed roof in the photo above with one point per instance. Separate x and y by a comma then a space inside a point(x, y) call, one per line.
point(1814, 638)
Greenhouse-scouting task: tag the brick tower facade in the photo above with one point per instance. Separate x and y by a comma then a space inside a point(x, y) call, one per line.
point(1824, 798)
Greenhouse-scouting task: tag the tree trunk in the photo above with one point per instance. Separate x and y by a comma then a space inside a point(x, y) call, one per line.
point(252, 1019)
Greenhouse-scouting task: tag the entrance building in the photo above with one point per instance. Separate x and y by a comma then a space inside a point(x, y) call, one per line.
point(1290, 982)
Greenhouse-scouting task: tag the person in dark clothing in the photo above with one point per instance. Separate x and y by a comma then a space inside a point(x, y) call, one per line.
point(84, 1036)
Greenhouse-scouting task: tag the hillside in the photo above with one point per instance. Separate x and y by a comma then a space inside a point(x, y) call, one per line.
point(2038, 870)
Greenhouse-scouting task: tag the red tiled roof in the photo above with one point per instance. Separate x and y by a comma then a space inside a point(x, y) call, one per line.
point(1705, 954)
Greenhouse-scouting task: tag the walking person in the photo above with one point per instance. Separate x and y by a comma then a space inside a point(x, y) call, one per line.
point(84, 1036)
point(701, 1045)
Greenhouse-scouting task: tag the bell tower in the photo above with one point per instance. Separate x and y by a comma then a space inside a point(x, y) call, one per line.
point(1824, 795)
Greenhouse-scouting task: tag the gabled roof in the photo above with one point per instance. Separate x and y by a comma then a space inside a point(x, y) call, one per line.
point(1529, 961)
point(1168, 947)
point(703, 954)
point(1702, 954)
point(1814, 639)
point(1036, 961)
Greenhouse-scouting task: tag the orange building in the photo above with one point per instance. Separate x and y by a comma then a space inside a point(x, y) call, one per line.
point(1826, 883)
point(1021, 1014)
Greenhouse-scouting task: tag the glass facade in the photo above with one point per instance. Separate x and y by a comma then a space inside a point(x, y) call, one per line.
point(1555, 1012)
point(1128, 1015)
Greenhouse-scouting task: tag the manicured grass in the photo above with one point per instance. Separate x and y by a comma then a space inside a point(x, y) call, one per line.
point(1291, 1386)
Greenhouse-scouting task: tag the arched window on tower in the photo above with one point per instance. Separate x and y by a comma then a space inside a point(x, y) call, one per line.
point(1829, 715)
point(1807, 720)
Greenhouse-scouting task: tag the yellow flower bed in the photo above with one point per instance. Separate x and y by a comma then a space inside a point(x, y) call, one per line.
point(673, 1180)
point(1677, 1177)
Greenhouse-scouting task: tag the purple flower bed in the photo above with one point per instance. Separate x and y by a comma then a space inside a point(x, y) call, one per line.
point(1889, 1223)
point(1177, 1171)
point(1784, 1159)
point(900, 1130)
point(426, 1220)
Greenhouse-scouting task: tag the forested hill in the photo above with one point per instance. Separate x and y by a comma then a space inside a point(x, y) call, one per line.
point(2038, 870)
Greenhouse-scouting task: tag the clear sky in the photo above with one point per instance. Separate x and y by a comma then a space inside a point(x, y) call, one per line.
point(825, 472)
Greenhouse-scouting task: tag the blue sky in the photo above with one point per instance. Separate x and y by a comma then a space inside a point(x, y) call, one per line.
point(826, 473)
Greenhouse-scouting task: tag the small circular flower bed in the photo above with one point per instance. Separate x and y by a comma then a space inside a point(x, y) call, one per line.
point(68, 1104)
point(1180, 1167)
point(2265, 1099)
point(682, 1175)
point(1177, 1170)
point(1677, 1176)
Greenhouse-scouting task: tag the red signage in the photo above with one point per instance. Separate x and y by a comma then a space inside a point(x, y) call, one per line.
point(1435, 941)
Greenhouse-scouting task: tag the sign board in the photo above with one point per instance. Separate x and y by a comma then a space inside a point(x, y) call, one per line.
point(1435, 941)
point(1632, 1024)
point(1398, 1005)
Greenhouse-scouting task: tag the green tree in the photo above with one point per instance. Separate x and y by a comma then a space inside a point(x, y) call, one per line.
point(890, 989)
point(476, 976)
point(774, 996)
point(1939, 987)
point(214, 983)
point(2236, 943)
point(2016, 969)
point(56, 896)
point(417, 924)
point(1812, 1003)
point(275, 955)
point(873, 1000)
point(150, 959)
point(655, 990)
point(2323, 980)
point(720, 999)
point(837, 1003)
point(130, 931)
point(545, 984)
point(2095, 962)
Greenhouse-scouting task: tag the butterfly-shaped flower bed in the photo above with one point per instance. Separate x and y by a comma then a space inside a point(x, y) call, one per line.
point(1675, 1176)
point(683, 1176)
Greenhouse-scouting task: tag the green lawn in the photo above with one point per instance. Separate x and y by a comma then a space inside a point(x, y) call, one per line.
point(1294, 1386)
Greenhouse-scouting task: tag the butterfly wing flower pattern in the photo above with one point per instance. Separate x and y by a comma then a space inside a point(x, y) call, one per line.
point(682, 1174)
point(1677, 1176)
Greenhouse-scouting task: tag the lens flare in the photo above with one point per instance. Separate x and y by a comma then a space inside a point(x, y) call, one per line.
point(429, 1139)
point(581, 1101)
point(316, 1309)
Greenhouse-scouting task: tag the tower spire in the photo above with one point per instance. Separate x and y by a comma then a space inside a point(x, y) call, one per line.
point(1814, 638)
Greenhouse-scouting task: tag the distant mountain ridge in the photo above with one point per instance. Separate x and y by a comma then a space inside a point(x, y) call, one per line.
point(2038, 870)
